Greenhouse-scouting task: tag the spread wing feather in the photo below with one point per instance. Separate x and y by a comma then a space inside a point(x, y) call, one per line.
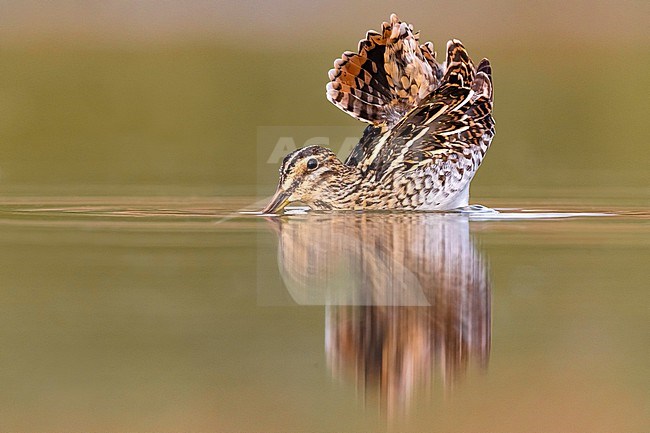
point(420, 111)
point(391, 70)
point(453, 118)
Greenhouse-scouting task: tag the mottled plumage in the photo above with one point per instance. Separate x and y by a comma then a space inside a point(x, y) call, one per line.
point(431, 125)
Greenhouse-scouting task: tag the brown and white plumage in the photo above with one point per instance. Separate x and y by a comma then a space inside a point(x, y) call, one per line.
point(431, 125)
point(389, 75)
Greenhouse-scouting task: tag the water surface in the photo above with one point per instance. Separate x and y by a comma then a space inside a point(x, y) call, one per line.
point(177, 314)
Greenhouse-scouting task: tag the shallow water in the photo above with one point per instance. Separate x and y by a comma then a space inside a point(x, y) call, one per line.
point(131, 301)
point(176, 314)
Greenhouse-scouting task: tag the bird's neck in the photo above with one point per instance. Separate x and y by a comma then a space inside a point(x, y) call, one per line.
point(347, 190)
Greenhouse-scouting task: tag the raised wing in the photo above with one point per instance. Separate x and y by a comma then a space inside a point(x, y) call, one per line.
point(455, 118)
point(388, 76)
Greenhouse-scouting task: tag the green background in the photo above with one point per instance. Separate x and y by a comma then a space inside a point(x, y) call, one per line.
point(165, 98)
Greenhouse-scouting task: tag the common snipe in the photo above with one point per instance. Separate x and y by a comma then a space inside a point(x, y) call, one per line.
point(430, 126)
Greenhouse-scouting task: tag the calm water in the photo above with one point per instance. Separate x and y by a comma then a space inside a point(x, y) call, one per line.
point(128, 303)
point(171, 314)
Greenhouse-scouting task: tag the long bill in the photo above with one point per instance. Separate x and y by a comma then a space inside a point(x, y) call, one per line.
point(278, 202)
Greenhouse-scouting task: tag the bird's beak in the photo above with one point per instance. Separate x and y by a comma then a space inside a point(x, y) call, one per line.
point(278, 202)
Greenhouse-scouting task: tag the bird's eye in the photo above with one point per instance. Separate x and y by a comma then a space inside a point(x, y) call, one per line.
point(312, 163)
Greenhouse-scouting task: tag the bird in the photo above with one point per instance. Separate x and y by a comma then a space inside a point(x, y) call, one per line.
point(430, 126)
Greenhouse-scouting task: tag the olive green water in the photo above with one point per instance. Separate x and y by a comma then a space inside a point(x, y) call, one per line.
point(127, 314)
point(135, 297)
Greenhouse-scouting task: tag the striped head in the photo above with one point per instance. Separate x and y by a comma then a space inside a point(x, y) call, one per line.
point(314, 176)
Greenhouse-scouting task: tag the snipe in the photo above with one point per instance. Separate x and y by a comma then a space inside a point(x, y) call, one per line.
point(430, 127)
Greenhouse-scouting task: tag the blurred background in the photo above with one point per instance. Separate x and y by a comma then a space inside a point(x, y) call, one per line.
point(165, 98)
point(128, 129)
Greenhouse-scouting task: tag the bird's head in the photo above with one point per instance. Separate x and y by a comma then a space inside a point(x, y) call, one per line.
point(314, 176)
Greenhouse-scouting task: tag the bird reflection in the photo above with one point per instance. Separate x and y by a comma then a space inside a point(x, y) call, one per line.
point(407, 297)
